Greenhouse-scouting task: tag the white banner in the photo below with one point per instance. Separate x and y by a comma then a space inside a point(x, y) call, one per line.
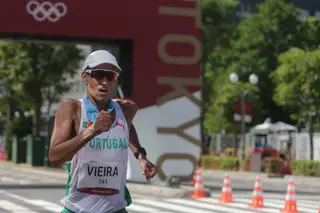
point(171, 135)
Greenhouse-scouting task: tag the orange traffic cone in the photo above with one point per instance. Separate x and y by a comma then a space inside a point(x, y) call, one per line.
point(226, 192)
point(196, 173)
point(291, 203)
point(198, 187)
point(257, 198)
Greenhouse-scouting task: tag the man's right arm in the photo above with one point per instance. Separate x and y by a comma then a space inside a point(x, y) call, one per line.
point(64, 145)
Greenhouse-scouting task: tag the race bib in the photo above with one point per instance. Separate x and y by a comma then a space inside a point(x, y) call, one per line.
point(100, 178)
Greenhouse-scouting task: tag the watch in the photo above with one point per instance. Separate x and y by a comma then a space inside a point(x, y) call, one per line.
point(140, 150)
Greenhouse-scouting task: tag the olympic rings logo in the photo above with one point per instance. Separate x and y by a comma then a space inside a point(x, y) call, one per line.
point(46, 10)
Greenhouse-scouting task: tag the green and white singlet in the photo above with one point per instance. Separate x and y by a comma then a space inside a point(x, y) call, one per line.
point(97, 172)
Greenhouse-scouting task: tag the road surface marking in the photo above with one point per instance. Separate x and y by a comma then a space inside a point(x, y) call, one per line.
point(214, 205)
point(46, 205)
point(279, 205)
point(40, 203)
point(13, 207)
point(170, 206)
point(140, 208)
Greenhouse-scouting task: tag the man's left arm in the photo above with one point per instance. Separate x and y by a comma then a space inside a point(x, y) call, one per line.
point(130, 109)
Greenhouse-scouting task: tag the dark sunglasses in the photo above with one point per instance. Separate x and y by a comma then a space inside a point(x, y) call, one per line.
point(99, 74)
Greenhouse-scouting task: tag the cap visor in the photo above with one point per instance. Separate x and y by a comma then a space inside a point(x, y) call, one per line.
point(93, 65)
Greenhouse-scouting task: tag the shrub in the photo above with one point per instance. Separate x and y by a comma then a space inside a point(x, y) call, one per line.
point(305, 168)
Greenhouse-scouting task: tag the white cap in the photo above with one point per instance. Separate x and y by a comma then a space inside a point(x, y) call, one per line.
point(100, 57)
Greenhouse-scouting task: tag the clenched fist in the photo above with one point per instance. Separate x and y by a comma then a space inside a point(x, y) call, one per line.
point(102, 123)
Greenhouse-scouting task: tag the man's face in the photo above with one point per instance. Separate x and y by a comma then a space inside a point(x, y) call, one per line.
point(100, 81)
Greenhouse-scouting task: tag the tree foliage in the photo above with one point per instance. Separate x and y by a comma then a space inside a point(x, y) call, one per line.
point(298, 78)
point(255, 46)
point(262, 37)
point(30, 72)
point(218, 27)
point(298, 84)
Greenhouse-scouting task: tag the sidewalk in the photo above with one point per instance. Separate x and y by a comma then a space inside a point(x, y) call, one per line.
point(242, 181)
point(57, 178)
point(25, 176)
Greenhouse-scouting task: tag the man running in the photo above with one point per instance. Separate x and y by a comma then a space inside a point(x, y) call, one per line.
point(91, 136)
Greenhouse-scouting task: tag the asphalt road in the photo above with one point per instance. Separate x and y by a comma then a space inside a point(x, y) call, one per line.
point(47, 201)
point(23, 191)
point(30, 200)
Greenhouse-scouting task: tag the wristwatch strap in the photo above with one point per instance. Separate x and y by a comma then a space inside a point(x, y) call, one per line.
point(142, 151)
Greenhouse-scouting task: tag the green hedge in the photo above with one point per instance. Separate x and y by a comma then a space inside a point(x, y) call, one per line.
point(269, 165)
point(306, 168)
point(223, 163)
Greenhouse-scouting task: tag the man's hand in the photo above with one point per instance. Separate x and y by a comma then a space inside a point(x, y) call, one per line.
point(102, 123)
point(149, 170)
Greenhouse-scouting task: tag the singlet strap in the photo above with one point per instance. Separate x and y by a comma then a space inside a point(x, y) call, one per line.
point(83, 115)
point(120, 117)
point(119, 111)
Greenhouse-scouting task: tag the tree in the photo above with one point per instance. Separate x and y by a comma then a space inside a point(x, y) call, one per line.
point(218, 25)
point(298, 84)
point(32, 71)
point(216, 28)
point(256, 44)
point(309, 33)
point(262, 37)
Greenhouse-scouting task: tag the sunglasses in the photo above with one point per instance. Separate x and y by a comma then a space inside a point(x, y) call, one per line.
point(99, 74)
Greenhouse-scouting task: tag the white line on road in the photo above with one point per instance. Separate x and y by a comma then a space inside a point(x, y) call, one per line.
point(165, 205)
point(213, 206)
point(140, 208)
point(46, 205)
point(278, 205)
point(14, 208)
point(40, 203)
point(15, 196)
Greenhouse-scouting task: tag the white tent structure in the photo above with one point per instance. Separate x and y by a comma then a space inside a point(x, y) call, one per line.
point(263, 128)
point(267, 127)
point(271, 134)
point(283, 127)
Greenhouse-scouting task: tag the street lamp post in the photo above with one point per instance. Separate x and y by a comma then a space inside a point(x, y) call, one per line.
point(253, 79)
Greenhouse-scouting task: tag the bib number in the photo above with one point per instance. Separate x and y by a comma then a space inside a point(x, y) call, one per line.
point(98, 178)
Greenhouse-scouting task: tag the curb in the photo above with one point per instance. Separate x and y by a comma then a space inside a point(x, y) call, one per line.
point(236, 189)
